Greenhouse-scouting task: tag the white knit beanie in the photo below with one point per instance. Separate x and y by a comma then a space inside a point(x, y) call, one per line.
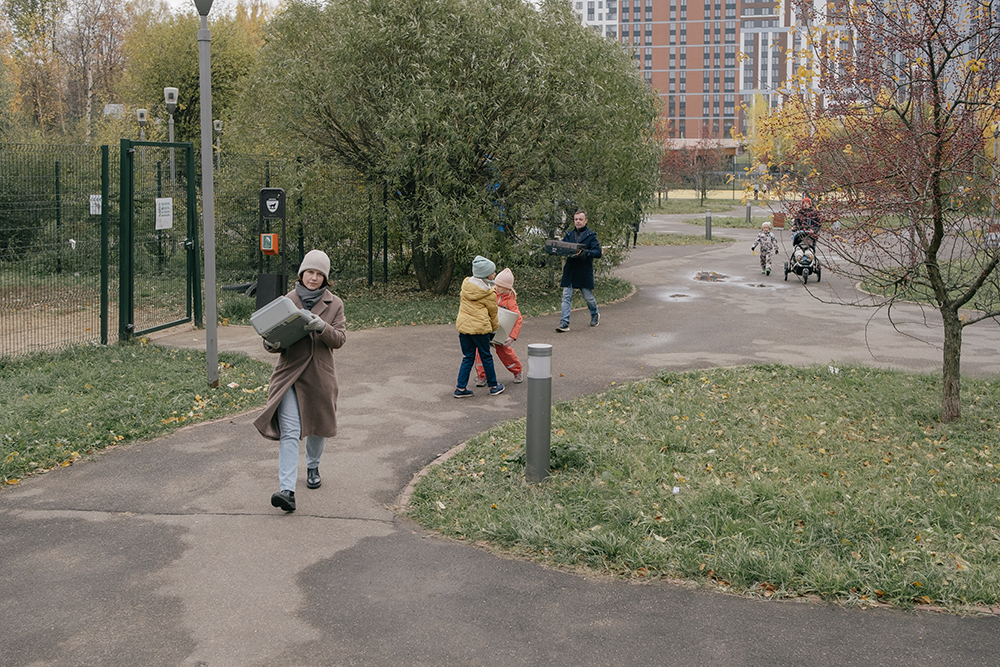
point(317, 261)
point(482, 267)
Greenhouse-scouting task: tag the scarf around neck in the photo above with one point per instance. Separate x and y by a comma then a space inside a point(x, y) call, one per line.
point(309, 297)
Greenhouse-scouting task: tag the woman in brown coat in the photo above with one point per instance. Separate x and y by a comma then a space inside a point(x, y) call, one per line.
point(302, 399)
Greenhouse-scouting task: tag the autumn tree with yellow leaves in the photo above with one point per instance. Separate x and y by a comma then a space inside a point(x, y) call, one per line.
point(901, 105)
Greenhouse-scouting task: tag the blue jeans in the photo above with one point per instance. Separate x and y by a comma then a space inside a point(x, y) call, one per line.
point(567, 298)
point(290, 428)
point(471, 343)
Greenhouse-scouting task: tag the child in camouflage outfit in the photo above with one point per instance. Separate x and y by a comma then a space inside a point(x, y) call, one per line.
point(768, 245)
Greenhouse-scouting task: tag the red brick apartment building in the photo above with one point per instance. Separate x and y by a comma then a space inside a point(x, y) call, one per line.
point(704, 58)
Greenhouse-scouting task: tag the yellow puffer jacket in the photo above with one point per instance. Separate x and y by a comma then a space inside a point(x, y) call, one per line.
point(477, 310)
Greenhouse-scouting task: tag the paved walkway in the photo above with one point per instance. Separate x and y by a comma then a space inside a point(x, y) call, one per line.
point(169, 553)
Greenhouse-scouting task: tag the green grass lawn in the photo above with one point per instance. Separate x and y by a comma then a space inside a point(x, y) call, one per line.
point(715, 203)
point(57, 407)
point(679, 239)
point(732, 222)
point(766, 480)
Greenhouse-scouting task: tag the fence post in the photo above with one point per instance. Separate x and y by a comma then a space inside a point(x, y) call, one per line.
point(385, 234)
point(195, 262)
point(125, 268)
point(59, 249)
point(105, 189)
point(371, 240)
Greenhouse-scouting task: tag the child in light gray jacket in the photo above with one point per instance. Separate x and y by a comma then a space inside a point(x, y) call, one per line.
point(768, 246)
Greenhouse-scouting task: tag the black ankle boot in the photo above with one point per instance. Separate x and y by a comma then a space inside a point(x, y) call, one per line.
point(312, 478)
point(284, 500)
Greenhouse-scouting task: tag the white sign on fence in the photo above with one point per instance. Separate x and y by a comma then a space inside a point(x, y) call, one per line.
point(164, 212)
point(95, 204)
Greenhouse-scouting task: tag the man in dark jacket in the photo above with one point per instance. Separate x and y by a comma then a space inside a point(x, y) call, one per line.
point(578, 272)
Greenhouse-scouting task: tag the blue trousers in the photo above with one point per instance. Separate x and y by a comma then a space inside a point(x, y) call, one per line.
point(290, 428)
point(470, 344)
point(567, 299)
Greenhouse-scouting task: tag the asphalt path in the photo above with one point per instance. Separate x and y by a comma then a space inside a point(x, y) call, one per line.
point(169, 553)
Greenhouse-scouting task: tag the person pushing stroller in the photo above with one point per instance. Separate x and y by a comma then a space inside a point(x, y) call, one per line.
point(805, 227)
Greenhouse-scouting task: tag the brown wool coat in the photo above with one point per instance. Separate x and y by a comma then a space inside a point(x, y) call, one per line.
point(308, 366)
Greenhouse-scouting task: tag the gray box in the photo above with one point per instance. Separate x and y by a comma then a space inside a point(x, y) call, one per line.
point(281, 322)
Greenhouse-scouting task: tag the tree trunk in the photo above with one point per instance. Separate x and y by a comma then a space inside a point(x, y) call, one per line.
point(434, 270)
point(951, 397)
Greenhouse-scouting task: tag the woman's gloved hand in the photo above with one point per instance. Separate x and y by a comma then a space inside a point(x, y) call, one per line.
point(315, 323)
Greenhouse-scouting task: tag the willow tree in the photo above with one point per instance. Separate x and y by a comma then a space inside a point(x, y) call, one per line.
point(898, 144)
point(475, 115)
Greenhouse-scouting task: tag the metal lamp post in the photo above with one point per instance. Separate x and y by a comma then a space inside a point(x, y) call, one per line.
point(170, 98)
point(208, 191)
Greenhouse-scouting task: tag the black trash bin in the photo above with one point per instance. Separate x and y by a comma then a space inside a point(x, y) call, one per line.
point(269, 287)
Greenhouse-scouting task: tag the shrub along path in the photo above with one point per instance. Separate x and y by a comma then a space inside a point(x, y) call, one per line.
point(170, 553)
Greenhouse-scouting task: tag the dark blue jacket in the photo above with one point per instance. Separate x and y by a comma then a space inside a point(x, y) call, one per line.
point(579, 270)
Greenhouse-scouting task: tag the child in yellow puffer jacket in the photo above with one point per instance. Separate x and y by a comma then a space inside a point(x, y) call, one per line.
point(506, 298)
point(477, 319)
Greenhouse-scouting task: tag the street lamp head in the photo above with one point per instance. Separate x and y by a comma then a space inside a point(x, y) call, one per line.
point(217, 124)
point(204, 7)
point(170, 97)
point(141, 115)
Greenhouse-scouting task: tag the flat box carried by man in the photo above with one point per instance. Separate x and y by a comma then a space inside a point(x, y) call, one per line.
point(563, 248)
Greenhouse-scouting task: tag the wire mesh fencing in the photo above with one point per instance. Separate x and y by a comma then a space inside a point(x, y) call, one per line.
point(59, 272)
point(51, 247)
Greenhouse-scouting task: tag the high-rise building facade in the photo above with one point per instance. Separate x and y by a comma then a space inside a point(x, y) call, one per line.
point(704, 58)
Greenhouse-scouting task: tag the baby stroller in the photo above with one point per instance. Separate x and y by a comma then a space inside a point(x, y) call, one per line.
point(804, 233)
point(803, 261)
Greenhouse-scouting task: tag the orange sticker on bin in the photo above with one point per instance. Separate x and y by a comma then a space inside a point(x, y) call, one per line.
point(269, 244)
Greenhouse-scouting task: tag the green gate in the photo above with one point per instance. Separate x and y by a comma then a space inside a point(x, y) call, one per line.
point(160, 282)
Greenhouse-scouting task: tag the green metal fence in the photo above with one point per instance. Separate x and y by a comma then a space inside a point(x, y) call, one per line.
point(159, 285)
point(57, 262)
point(51, 246)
